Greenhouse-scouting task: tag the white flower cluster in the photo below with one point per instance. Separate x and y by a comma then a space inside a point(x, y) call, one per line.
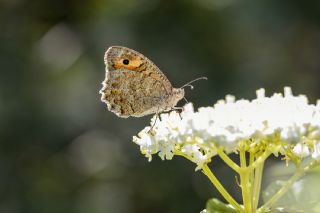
point(197, 135)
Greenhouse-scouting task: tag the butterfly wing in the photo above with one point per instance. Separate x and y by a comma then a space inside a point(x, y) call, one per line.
point(134, 86)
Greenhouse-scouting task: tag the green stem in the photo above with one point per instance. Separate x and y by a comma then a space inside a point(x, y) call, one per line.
point(228, 160)
point(178, 152)
point(257, 185)
point(260, 159)
point(252, 173)
point(206, 170)
point(245, 182)
point(297, 175)
point(251, 160)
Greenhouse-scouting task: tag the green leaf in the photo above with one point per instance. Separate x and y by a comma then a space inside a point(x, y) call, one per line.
point(304, 195)
point(216, 206)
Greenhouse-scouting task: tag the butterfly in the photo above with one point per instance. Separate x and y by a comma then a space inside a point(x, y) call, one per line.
point(135, 86)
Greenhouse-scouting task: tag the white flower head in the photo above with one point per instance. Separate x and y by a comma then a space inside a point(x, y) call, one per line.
point(198, 134)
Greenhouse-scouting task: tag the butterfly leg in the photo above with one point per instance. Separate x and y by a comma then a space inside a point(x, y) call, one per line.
point(177, 109)
point(155, 121)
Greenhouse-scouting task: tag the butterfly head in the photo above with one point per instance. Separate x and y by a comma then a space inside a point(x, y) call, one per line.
point(177, 95)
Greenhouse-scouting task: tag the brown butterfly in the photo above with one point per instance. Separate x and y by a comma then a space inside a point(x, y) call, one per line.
point(135, 86)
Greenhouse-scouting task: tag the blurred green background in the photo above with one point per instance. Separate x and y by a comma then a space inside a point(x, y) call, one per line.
point(61, 151)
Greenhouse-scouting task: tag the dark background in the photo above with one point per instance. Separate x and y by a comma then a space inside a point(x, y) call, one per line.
point(61, 151)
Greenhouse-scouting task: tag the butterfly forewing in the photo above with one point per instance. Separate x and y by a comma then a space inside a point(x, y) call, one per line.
point(134, 86)
point(117, 55)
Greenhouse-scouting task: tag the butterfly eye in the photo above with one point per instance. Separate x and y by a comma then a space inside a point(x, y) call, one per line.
point(125, 61)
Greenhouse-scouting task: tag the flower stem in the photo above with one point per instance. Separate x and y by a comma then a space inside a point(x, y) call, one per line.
point(245, 182)
point(228, 160)
point(260, 159)
point(251, 160)
point(206, 170)
point(257, 185)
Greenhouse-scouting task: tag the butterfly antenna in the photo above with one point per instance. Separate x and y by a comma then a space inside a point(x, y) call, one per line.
point(189, 83)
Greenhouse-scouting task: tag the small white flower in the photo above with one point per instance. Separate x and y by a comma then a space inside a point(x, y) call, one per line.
point(316, 151)
point(198, 134)
point(148, 143)
point(301, 150)
point(196, 155)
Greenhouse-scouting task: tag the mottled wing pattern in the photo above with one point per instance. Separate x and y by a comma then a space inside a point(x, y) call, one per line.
point(134, 86)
